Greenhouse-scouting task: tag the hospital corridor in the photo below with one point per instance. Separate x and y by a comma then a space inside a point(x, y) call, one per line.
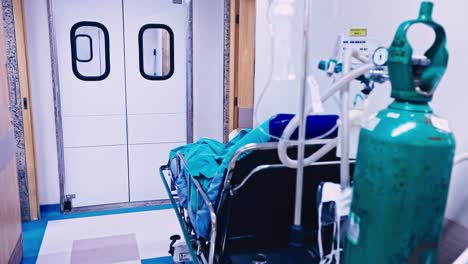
point(233, 132)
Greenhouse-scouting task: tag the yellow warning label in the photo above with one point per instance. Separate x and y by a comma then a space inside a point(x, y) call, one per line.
point(358, 32)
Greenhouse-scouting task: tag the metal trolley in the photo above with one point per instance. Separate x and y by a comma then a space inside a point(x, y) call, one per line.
point(255, 204)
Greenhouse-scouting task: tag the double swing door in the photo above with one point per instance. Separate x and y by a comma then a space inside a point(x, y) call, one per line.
point(122, 76)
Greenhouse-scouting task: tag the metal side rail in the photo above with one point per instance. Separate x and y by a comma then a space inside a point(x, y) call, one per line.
point(185, 219)
point(200, 193)
point(244, 151)
point(234, 189)
point(179, 213)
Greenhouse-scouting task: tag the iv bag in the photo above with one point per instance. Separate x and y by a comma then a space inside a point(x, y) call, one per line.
point(281, 27)
point(281, 62)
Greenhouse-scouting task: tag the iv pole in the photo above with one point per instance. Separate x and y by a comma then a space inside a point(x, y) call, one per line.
point(297, 232)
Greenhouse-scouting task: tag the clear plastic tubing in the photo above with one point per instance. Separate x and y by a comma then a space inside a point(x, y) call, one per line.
point(294, 123)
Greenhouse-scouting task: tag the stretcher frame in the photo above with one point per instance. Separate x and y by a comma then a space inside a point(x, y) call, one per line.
point(203, 251)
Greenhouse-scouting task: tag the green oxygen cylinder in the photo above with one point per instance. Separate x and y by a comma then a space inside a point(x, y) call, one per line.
point(404, 162)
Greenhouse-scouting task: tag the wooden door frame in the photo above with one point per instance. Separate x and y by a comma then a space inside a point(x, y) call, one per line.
point(233, 62)
point(18, 82)
point(241, 54)
point(26, 109)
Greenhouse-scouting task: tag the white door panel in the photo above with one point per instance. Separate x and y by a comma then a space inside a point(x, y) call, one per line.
point(84, 131)
point(78, 98)
point(93, 111)
point(156, 128)
point(163, 100)
point(156, 108)
point(97, 175)
point(147, 96)
point(145, 181)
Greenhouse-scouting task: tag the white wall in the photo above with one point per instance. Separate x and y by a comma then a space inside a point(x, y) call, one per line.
point(208, 85)
point(208, 34)
point(382, 18)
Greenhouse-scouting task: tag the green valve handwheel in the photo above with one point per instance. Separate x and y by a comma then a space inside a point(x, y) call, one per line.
point(404, 162)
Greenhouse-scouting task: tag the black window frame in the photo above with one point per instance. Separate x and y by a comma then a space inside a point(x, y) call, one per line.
point(141, 55)
point(74, 56)
point(91, 56)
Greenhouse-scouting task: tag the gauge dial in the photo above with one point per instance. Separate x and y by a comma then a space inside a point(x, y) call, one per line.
point(380, 57)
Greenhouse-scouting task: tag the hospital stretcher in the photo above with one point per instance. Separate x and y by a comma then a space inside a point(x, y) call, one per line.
point(253, 214)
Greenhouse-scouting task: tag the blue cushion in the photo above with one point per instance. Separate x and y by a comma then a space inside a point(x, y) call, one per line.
point(317, 125)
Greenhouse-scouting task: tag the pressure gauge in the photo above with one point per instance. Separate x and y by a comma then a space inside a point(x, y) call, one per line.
point(380, 56)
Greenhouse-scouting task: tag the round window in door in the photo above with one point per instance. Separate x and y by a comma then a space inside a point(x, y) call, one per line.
point(90, 51)
point(156, 51)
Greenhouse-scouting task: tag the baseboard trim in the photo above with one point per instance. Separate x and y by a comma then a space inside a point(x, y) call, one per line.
point(128, 205)
point(17, 254)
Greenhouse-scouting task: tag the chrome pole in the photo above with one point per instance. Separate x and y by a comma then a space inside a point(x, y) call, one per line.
point(297, 229)
point(189, 71)
point(345, 126)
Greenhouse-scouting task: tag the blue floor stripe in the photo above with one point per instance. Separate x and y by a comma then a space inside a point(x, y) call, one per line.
point(53, 212)
point(33, 232)
point(163, 260)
